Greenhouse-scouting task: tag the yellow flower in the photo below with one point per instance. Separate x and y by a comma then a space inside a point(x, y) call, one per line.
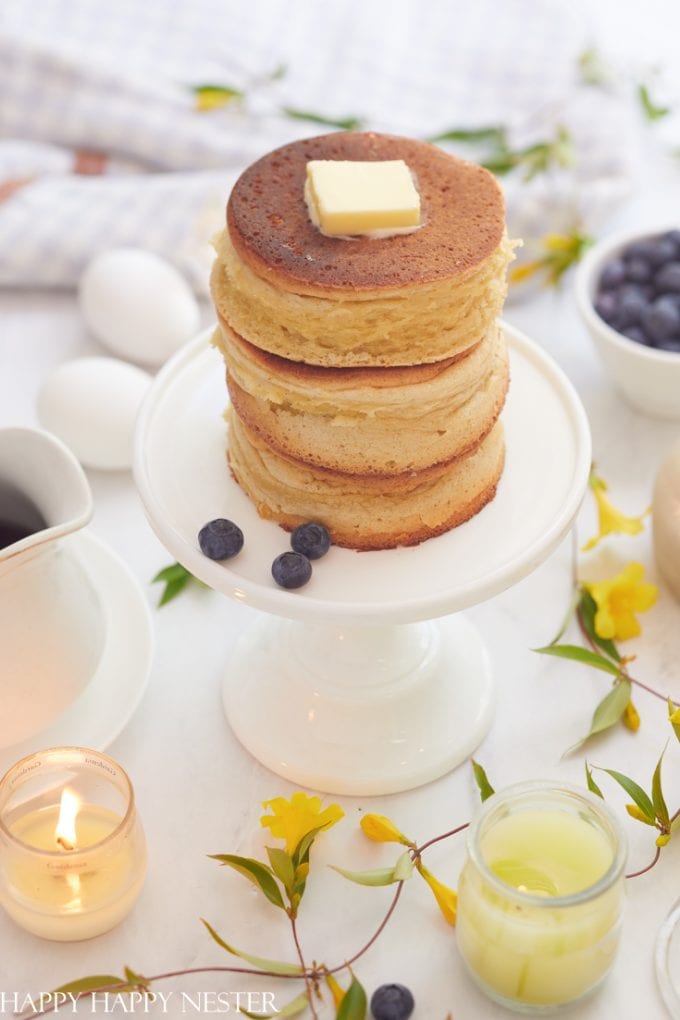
point(610, 520)
point(292, 819)
point(381, 830)
point(556, 254)
point(631, 717)
point(213, 97)
point(447, 899)
point(337, 992)
point(619, 599)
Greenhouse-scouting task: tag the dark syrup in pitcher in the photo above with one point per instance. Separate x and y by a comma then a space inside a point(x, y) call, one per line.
point(11, 532)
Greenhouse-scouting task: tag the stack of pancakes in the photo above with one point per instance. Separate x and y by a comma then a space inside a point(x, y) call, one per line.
point(366, 375)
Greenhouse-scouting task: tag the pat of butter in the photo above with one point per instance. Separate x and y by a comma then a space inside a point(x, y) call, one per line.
point(352, 197)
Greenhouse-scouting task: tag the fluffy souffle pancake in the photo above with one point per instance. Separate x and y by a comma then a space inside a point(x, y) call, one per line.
point(366, 511)
point(413, 299)
point(366, 374)
point(368, 420)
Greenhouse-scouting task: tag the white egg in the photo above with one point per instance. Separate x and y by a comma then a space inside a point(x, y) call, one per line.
point(138, 305)
point(92, 404)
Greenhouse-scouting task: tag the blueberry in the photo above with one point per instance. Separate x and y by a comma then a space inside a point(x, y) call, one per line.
point(632, 308)
point(291, 570)
point(637, 249)
point(637, 334)
point(613, 274)
point(668, 278)
point(220, 539)
point(660, 250)
point(392, 1002)
point(674, 237)
point(607, 307)
point(671, 344)
point(661, 320)
point(638, 270)
point(312, 540)
point(654, 250)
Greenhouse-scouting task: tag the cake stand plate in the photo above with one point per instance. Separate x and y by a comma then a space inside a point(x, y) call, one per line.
point(340, 695)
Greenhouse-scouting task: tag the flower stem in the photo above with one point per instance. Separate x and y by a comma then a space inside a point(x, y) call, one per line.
point(379, 930)
point(624, 672)
point(643, 871)
point(436, 839)
point(308, 983)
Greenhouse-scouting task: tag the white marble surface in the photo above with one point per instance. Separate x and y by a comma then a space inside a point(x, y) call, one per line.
point(200, 793)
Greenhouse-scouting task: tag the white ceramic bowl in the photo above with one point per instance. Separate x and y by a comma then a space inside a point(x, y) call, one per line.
point(649, 379)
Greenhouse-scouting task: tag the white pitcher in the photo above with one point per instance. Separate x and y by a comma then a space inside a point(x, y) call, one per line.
point(51, 620)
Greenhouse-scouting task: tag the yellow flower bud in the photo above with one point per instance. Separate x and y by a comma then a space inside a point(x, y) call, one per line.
point(336, 991)
point(631, 718)
point(635, 812)
point(447, 899)
point(381, 830)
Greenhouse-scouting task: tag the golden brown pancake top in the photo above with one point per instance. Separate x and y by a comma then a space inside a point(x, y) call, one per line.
point(461, 208)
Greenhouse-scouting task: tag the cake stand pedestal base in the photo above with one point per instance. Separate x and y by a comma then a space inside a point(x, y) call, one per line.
point(360, 710)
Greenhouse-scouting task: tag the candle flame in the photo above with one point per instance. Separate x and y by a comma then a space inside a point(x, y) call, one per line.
point(65, 832)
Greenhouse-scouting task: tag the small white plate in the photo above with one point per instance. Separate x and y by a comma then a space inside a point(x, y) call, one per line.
point(106, 705)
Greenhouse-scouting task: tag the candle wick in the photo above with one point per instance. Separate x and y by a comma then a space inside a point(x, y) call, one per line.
point(64, 843)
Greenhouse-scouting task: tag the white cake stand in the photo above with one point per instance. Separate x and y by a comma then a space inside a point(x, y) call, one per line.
point(342, 689)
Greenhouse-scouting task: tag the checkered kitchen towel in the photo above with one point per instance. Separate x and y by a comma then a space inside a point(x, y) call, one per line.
point(101, 143)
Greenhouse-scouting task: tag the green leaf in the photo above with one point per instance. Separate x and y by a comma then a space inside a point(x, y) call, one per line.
point(579, 654)
point(658, 800)
point(587, 609)
point(403, 869)
point(282, 866)
point(298, 1005)
point(138, 981)
point(592, 69)
point(275, 966)
point(280, 71)
point(354, 1003)
point(98, 982)
point(223, 90)
point(675, 824)
point(496, 135)
point(501, 164)
point(486, 790)
point(345, 123)
point(176, 578)
point(173, 572)
point(610, 709)
point(301, 852)
point(634, 791)
point(256, 872)
point(590, 782)
point(651, 110)
point(378, 876)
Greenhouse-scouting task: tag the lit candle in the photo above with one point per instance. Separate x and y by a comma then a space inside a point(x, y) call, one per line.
point(540, 896)
point(72, 851)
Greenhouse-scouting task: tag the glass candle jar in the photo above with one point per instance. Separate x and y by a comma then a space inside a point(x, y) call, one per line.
point(540, 897)
point(72, 850)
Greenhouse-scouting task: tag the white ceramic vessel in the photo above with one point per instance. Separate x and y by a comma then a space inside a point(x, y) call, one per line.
point(52, 627)
point(649, 379)
point(340, 695)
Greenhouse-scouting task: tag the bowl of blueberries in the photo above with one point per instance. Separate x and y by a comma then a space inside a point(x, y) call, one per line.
point(628, 293)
